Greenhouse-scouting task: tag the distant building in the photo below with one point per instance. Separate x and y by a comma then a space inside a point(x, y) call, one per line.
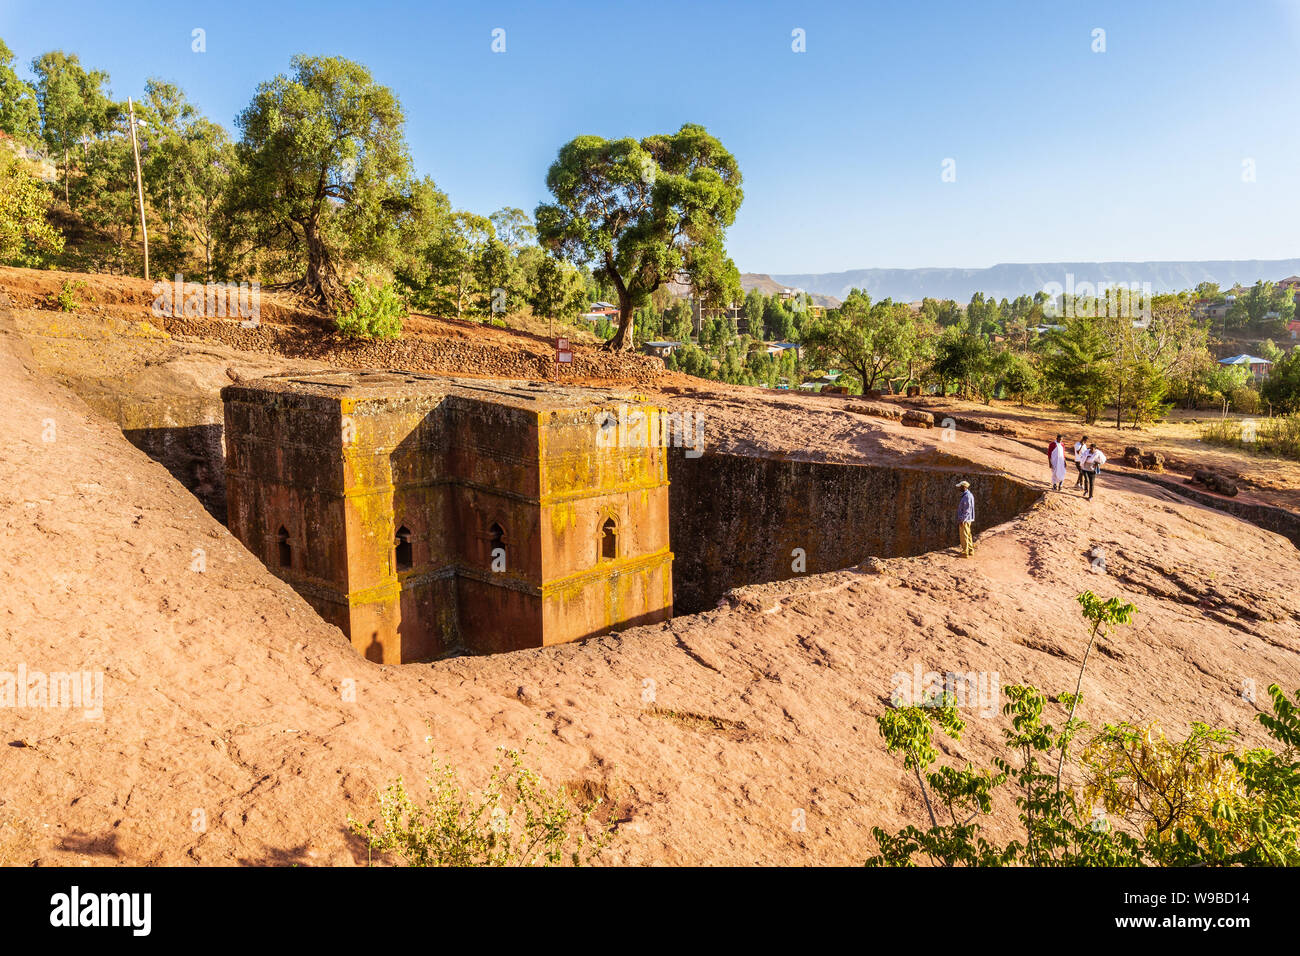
point(1258, 366)
point(600, 311)
point(699, 313)
point(1293, 327)
point(776, 348)
point(661, 349)
point(1291, 283)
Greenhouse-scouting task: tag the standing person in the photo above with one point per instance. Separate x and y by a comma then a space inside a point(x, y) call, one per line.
point(1080, 453)
point(966, 518)
point(1092, 468)
point(1056, 458)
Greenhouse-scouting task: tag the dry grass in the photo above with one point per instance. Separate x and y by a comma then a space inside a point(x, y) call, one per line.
point(1277, 437)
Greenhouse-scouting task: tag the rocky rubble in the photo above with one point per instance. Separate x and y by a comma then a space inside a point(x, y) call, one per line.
point(1135, 457)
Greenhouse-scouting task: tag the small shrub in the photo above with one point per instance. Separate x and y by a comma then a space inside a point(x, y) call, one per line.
point(377, 311)
point(1246, 400)
point(515, 820)
point(66, 297)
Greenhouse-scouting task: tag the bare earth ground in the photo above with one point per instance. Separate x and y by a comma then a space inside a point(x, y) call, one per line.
point(1266, 479)
point(230, 733)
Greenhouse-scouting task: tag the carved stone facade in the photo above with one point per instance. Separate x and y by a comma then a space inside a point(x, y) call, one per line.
point(421, 513)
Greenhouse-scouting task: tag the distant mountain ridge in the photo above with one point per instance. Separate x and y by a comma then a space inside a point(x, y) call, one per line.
point(1008, 280)
point(765, 284)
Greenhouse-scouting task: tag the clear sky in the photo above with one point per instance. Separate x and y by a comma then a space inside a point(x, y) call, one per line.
point(1061, 153)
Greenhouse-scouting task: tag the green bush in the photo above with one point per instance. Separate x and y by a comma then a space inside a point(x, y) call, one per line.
point(1246, 401)
point(513, 821)
point(377, 311)
point(66, 298)
point(1192, 802)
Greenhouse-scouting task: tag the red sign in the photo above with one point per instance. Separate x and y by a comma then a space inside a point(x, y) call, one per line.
point(562, 351)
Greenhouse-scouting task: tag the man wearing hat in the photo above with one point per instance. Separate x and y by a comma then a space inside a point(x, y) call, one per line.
point(965, 518)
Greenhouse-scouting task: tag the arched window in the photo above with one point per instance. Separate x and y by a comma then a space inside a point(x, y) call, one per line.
point(402, 546)
point(282, 545)
point(496, 540)
point(609, 539)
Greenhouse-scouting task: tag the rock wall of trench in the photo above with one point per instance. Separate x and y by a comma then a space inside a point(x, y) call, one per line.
point(738, 520)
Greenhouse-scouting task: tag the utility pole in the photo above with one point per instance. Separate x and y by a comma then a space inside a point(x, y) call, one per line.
point(139, 187)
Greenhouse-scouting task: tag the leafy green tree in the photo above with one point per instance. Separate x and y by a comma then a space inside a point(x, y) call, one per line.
point(558, 291)
point(73, 104)
point(323, 172)
point(871, 338)
point(1076, 367)
point(1224, 380)
point(1015, 374)
point(187, 164)
point(941, 312)
point(104, 193)
point(20, 116)
point(26, 237)
point(755, 302)
point(1261, 300)
point(1282, 387)
point(424, 233)
point(644, 212)
point(983, 316)
point(677, 322)
point(778, 321)
point(962, 356)
point(513, 227)
point(457, 265)
point(495, 271)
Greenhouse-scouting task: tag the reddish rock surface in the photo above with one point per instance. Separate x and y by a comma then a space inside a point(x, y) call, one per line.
point(229, 703)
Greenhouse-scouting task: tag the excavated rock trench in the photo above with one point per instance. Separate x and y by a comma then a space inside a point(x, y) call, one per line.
point(736, 520)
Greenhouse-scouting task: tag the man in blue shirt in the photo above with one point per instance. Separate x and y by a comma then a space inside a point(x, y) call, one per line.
point(966, 518)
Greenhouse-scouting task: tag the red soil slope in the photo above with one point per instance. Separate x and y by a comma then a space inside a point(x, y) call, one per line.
point(238, 728)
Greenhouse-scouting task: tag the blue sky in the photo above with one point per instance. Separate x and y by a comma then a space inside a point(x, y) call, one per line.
point(1061, 153)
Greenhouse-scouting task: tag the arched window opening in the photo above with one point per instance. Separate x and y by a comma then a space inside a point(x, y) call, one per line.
point(402, 545)
point(282, 545)
point(609, 539)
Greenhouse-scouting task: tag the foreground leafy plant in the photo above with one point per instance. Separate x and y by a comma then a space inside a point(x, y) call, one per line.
point(514, 821)
point(66, 298)
point(1178, 803)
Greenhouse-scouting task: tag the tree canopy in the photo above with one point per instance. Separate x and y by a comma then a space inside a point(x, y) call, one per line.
point(645, 212)
point(323, 172)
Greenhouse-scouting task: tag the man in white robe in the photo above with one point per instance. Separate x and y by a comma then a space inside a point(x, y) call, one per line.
point(1056, 459)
